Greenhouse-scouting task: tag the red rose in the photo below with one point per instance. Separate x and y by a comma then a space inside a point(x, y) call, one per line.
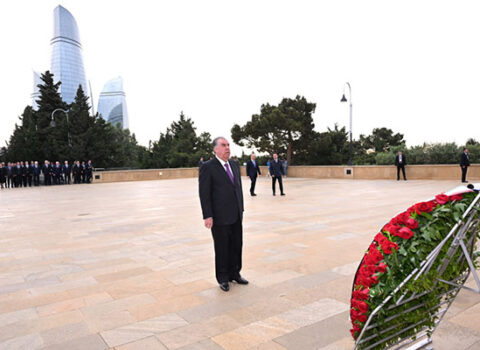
point(422, 207)
point(373, 256)
point(442, 199)
point(400, 219)
point(357, 316)
point(355, 330)
point(361, 294)
point(404, 233)
point(456, 197)
point(382, 267)
point(392, 229)
point(411, 223)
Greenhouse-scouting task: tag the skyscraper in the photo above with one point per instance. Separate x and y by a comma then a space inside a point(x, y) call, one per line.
point(67, 59)
point(112, 105)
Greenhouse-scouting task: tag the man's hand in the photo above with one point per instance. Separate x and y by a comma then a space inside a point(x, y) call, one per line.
point(208, 223)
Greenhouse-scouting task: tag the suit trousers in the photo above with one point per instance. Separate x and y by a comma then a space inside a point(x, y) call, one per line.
point(252, 185)
point(464, 173)
point(228, 241)
point(280, 184)
point(403, 172)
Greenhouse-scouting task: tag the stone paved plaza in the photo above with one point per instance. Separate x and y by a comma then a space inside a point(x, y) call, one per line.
point(129, 266)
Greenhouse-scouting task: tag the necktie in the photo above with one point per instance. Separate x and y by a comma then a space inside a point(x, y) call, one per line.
point(230, 175)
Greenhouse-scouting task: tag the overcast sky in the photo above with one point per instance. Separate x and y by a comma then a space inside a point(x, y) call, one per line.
point(413, 65)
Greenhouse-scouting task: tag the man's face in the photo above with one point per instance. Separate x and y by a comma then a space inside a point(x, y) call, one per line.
point(252, 157)
point(222, 149)
point(399, 153)
point(466, 150)
point(275, 156)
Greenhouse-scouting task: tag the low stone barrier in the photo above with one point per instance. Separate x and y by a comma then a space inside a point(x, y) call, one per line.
point(359, 172)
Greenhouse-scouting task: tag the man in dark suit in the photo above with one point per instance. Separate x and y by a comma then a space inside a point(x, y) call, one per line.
point(10, 179)
point(3, 175)
point(88, 171)
point(400, 162)
point(36, 174)
point(18, 175)
point(67, 171)
point(221, 198)
point(276, 171)
point(464, 164)
point(29, 171)
point(46, 170)
point(253, 169)
point(57, 173)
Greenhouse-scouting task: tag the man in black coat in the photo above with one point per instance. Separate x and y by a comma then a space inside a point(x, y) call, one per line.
point(57, 173)
point(276, 171)
point(36, 174)
point(18, 175)
point(46, 170)
point(400, 162)
point(464, 164)
point(10, 179)
point(221, 198)
point(89, 171)
point(3, 175)
point(67, 171)
point(253, 169)
point(29, 173)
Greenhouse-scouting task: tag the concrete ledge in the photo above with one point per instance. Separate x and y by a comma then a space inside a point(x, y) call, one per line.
point(359, 172)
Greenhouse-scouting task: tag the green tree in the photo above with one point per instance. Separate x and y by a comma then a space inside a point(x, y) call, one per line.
point(381, 140)
point(285, 129)
point(179, 146)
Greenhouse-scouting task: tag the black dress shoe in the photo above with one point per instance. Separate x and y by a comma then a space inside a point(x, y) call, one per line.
point(282, 194)
point(240, 280)
point(253, 194)
point(274, 194)
point(224, 286)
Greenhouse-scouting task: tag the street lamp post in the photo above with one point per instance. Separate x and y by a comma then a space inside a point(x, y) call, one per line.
point(53, 124)
point(350, 162)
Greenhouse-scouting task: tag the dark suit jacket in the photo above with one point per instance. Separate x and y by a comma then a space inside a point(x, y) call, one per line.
point(464, 160)
point(36, 170)
point(276, 168)
point(66, 170)
point(404, 160)
point(46, 169)
point(252, 170)
point(220, 199)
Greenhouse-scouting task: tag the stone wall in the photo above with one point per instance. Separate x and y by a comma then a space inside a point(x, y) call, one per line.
point(366, 172)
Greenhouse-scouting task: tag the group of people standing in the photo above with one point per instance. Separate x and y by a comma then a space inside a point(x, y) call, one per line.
point(26, 174)
point(276, 169)
point(401, 162)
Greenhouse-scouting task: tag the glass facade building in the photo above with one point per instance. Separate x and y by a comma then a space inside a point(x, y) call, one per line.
point(67, 59)
point(112, 105)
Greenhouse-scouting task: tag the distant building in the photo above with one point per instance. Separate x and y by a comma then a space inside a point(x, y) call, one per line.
point(36, 91)
point(112, 105)
point(67, 58)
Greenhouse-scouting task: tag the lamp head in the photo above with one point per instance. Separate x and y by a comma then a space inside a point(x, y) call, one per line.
point(343, 98)
point(52, 123)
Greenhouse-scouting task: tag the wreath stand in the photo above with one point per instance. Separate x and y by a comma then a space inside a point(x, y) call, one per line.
point(461, 236)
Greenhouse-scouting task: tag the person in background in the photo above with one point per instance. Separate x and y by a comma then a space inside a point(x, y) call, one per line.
point(89, 171)
point(268, 167)
point(83, 172)
point(400, 162)
point(3, 175)
point(464, 164)
point(276, 170)
point(10, 179)
point(46, 170)
point(67, 170)
point(285, 163)
point(252, 170)
point(29, 170)
point(57, 172)
point(36, 174)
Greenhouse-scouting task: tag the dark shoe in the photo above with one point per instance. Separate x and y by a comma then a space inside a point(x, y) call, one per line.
point(224, 286)
point(274, 194)
point(253, 194)
point(464, 181)
point(240, 280)
point(282, 194)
